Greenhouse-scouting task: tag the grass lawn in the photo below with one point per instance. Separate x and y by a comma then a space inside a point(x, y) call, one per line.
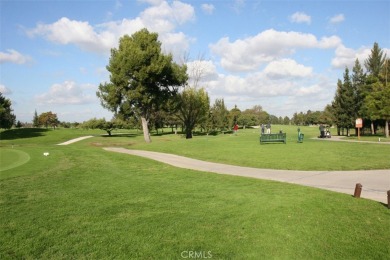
point(84, 202)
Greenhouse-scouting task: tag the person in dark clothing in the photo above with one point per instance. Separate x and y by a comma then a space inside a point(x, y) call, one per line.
point(322, 131)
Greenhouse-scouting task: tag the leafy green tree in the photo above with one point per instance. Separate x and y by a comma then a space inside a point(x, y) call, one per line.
point(234, 115)
point(48, 119)
point(193, 108)
point(220, 115)
point(104, 125)
point(286, 120)
point(254, 116)
point(142, 78)
point(327, 116)
point(7, 119)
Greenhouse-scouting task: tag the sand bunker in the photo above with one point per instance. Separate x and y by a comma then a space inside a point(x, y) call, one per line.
point(76, 140)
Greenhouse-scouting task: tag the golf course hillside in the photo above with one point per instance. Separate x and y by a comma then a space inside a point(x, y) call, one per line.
point(78, 200)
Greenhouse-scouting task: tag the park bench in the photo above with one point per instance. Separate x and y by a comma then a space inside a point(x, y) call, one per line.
point(273, 138)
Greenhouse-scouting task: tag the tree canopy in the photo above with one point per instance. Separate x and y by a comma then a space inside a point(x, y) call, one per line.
point(48, 119)
point(7, 118)
point(193, 108)
point(142, 78)
point(364, 95)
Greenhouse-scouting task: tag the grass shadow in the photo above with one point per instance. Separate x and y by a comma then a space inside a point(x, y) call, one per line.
point(120, 135)
point(13, 134)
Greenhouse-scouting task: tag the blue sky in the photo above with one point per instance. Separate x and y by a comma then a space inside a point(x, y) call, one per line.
point(283, 55)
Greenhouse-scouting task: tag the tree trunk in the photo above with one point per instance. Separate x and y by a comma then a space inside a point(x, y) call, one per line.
point(372, 128)
point(145, 129)
point(387, 129)
point(188, 134)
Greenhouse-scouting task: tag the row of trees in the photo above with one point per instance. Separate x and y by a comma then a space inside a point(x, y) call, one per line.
point(147, 85)
point(363, 95)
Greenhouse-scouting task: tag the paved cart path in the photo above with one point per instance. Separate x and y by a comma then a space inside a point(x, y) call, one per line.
point(375, 183)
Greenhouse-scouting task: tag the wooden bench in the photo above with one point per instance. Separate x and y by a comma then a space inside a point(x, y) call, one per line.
point(273, 138)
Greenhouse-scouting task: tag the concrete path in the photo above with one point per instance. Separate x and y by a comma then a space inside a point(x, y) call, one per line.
point(375, 183)
point(75, 140)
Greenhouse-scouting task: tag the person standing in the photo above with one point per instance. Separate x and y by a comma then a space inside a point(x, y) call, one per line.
point(262, 129)
point(268, 128)
point(235, 129)
point(322, 131)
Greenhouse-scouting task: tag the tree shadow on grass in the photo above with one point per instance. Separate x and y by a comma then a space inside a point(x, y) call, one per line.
point(13, 134)
point(120, 135)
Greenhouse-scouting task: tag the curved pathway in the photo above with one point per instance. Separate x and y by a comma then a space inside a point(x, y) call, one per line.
point(375, 182)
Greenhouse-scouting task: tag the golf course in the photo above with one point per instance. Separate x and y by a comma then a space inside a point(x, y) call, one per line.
point(80, 201)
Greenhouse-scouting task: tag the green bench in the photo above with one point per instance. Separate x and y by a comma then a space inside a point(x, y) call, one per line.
point(273, 138)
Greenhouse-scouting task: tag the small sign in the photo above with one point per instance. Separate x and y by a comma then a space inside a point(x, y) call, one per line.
point(359, 123)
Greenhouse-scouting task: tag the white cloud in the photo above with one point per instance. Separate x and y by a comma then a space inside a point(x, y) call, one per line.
point(286, 68)
point(67, 93)
point(250, 53)
point(300, 17)
point(161, 17)
point(337, 19)
point(82, 34)
point(4, 90)
point(208, 8)
point(282, 87)
point(151, 2)
point(14, 56)
point(345, 57)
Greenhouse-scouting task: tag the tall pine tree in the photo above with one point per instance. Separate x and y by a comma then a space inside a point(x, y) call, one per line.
point(376, 88)
point(375, 61)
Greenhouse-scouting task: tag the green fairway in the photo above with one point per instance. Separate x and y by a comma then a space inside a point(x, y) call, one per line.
point(83, 202)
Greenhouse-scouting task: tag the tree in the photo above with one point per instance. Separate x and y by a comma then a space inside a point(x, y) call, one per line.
point(234, 115)
point(220, 114)
point(344, 104)
point(358, 81)
point(193, 108)
point(48, 119)
point(375, 61)
point(104, 125)
point(7, 119)
point(377, 100)
point(374, 65)
point(35, 119)
point(142, 78)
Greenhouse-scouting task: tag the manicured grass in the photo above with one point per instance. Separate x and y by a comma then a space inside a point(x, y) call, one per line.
point(245, 150)
point(11, 158)
point(84, 202)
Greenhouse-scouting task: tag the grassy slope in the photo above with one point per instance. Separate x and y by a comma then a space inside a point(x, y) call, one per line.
point(83, 202)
